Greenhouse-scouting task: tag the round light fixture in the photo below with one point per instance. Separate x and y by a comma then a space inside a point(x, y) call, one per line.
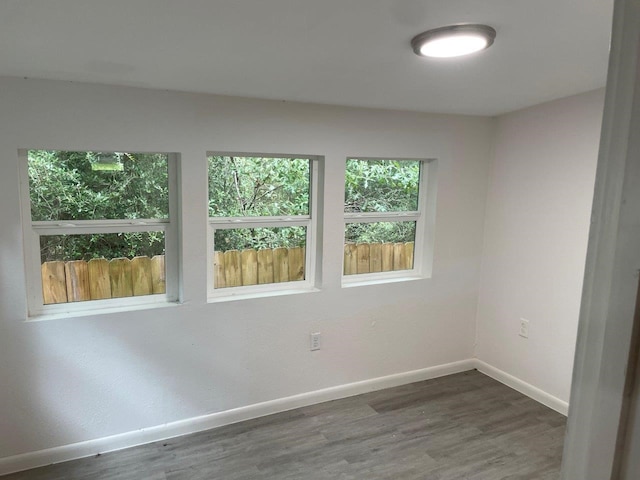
point(453, 40)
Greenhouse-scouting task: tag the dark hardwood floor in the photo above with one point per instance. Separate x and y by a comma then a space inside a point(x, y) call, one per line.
point(464, 426)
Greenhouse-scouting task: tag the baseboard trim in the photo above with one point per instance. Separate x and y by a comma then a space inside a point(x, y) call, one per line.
point(162, 432)
point(523, 387)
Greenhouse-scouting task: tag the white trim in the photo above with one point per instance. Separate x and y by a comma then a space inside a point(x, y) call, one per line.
point(56, 229)
point(258, 290)
point(363, 279)
point(205, 422)
point(238, 222)
point(70, 225)
point(253, 294)
point(523, 387)
point(156, 301)
point(376, 217)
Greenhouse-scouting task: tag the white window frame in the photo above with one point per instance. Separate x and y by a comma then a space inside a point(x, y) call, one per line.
point(33, 230)
point(309, 221)
point(423, 217)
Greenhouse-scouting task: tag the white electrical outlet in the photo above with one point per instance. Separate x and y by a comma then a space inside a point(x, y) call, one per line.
point(315, 341)
point(524, 328)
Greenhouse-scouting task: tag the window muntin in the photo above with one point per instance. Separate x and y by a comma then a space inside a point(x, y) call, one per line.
point(261, 222)
point(384, 203)
point(98, 234)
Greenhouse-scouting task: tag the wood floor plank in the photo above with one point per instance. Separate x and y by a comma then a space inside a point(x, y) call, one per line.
point(464, 426)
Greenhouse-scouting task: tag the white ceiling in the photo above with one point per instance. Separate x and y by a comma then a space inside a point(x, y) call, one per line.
point(346, 52)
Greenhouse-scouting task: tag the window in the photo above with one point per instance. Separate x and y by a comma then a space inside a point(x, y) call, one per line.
point(262, 222)
point(384, 212)
point(99, 229)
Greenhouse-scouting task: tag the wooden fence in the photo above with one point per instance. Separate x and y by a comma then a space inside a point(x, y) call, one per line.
point(97, 279)
point(377, 257)
point(77, 281)
point(235, 268)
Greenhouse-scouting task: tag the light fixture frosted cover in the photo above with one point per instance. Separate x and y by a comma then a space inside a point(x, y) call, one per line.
point(453, 40)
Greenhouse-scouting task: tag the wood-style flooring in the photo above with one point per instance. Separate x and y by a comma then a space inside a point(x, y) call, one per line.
point(464, 426)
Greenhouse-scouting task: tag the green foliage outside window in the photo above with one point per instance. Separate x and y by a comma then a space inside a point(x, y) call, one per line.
point(70, 186)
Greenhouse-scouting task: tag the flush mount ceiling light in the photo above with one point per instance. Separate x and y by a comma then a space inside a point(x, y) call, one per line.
point(453, 40)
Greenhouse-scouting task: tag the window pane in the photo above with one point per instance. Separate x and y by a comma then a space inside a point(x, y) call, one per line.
point(381, 185)
point(379, 247)
point(258, 186)
point(78, 268)
point(252, 256)
point(97, 185)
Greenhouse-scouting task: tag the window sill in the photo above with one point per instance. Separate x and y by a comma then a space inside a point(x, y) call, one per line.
point(233, 296)
point(354, 281)
point(89, 312)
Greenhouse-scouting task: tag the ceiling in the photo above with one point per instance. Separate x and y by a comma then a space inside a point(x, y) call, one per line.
point(344, 52)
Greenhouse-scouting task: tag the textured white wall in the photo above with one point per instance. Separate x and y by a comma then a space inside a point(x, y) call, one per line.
point(535, 241)
point(75, 379)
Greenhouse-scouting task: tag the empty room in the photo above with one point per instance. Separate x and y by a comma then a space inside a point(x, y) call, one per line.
point(296, 239)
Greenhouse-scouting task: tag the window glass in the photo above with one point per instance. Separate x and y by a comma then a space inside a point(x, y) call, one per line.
point(257, 238)
point(100, 245)
point(77, 268)
point(255, 256)
point(97, 185)
point(381, 185)
point(379, 247)
point(258, 186)
point(380, 232)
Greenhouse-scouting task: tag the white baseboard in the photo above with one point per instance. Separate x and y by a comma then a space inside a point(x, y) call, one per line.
point(130, 439)
point(525, 388)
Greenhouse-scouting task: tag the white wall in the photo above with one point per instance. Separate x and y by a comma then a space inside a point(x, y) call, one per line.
point(536, 231)
point(75, 379)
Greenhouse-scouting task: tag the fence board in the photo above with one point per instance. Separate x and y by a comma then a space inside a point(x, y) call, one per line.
point(158, 274)
point(350, 259)
point(375, 257)
point(77, 278)
point(141, 276)
point(363, 251)
point(399, 257)
point(249, 267)
point(408, 251)
point(99, 279)
point(120, 276)
point(232, 268)
point(54, 288)
point(280, 265)
point(387, 257)
point(296, 264)
point(218, 270)
point(265, 266)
